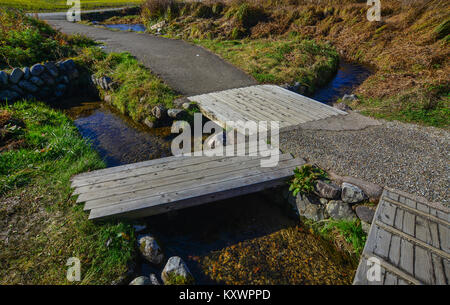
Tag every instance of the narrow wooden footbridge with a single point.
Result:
(158, 186)
(409, 243)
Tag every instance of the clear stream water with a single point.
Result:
(197, 231)
(127, 27)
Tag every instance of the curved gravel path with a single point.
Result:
(407, 157)
(189, 69)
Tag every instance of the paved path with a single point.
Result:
(63, 15)
(410, 238)
(189, 69)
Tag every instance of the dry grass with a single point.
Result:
(408, 50)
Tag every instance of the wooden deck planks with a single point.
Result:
(150, 188)
(262, 103)
(407, 238)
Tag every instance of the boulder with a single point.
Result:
(73, 74)
(45, 92)
(28, 86)
(107, 98)
(352, 194)
(16, 75)
(349, 98)
(340, 210)
(365, 227)
(328, 190)
(60, 90)
(3, 79)
(159, 111)
(150, 249)
(139, 281)
(26, 73)
(37, 69)
(175, 113)
(365, 213)
(176, 272)
(342, 107)
(9, 95)
(52, 69)
(178, 103)
(17, 89)
(154, 279)
(68, 65)
(149, 122)
(309, 206)
(49, 81)
(37, 81)
(188, 106)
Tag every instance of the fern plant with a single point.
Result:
(305, 179)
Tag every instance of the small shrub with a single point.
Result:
(157, 9)
(305, 178)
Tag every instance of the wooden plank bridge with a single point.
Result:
(262, 103)
(159, 186)
(410, 240)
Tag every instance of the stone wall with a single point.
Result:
(46, 82)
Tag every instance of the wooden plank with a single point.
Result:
(175, 182)
(137, 170)
(434, 235)
(407, 256)
(265, 110)
(173, 170)
(305, 114)
(423, 267)
(390, 279)
(409, 223)
(361, 273)
(422, 230)
(187, 198)
(439, 272)
(394, 251)
(310, 102)
(398, 223)
(187, 185)
(382, 243)
(387, 213)
(444, 237)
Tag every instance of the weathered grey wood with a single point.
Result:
(438, 268)
(382, 243)
(423, 267)
(196, 196)
(390, 279)
(179, 182)
(409, 223)
(422, 230)
(394, 250)
(444, 236)
(398, 223)
(407, 257)
(146, 178)
(262, 103)
(386, 214)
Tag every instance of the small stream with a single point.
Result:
(201, 231)
(127, 27)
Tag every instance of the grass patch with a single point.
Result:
(138, 90)
(59, 5)
(280, 61)
(49, 227)
(346, 235)
(25, 41)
